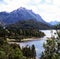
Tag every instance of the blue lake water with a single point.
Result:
(38, 43)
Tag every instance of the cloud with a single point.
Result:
(56, 2)
(48, 9)
(46, 1)
(2, 2)
(13, 4)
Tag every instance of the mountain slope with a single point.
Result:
(28, 24)
(22, 14)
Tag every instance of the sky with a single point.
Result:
(49, 10)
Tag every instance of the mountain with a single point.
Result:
(54, 22)
(27, 14)
(22, 14)
(28, 24)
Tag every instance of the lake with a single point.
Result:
(38, 43)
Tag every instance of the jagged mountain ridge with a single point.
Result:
(20, 14)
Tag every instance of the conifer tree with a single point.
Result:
(52, 48)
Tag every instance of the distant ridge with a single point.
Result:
(54, 22)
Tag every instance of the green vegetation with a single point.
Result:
(8, 51)
(24, 33)
(52, 48)
(18, 34)
(13, 51)
(29, 51)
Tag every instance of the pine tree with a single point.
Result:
(52, 48)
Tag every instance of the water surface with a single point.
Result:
(38, 43)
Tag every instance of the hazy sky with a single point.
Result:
(48, 9)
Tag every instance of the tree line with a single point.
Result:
(18, 34)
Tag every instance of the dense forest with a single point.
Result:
(18, 34)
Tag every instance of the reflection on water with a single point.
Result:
(38, 43)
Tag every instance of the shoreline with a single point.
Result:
(26, 40)
(30, 39)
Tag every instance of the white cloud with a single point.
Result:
(49, 1)
(56, 2)
(13, 4)
(48, 9)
